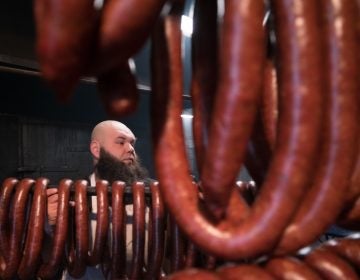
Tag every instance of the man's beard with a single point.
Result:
(111, 169)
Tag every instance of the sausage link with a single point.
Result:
(269, 106)
(329, 265)
(118, 263)
(5, 199)
(177, 258)
(156, 242)
(121, 20)
(339, 136)
(65, 33)
(138, 231)
(194, 274)
(118, 90)
(291, 164)
(20, 200)
(77, 258)
(350, 219)
(236, 102)
(346, 248)
(258, 153)
(204, 72)
(35, 232)
(244, 272)
(102, 223)
(191, 255)
(49, 269)
(166, 66)
(289, 268)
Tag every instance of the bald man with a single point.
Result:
(112, 148)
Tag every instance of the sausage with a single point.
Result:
(65, 34)
(5, 199)
(138, 230)
(237, 98)
(48, 269)
(354, 187)
(269, 103)
(177, 258)
(156, 242)
(346, 248)
(290, 268)
(121, 20)
(244, 272)
(118, 262)
(118, 90)
(191, 255)
(102, 223)
(35, 232)
(204, 72)
(194, 274)
(339, 136)
(9, 268)
(165, 59)
(77, 258)
(329, 265)
(258, 153)
(350, 218)
(291, 164)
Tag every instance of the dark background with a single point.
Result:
(38, 135)
(41, 137)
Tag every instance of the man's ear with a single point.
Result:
(95, 149)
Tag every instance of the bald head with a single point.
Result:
(102, 130)
(116, 138)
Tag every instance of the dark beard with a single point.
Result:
(111, 169)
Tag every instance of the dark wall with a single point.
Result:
(40, 135)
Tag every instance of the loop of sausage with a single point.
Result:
(237, 98)
(65, 33)
(194, 274)
(118, 263)
(118, 90)
(350, 218)
(156, 243)
(177, 259)
(346, 248)
(102, 224)
(120, 21)
(49, 269)
(245, 272)
(291, 163)
(9, 268)
(337, 157)
(291, 268)
(138, 231)
(191, 255)
(204, 72)
(5, 199)
(77, 258)
(269, 106)
(35, 232)
(329, 265)
(258, 153)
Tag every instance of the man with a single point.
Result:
(112, 148)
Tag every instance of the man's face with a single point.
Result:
(120, 144)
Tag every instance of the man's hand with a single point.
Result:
(52, 205)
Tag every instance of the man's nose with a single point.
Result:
(131, 148)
